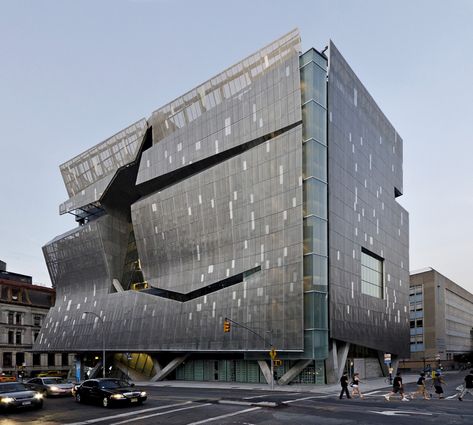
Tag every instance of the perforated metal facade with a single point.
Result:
(249, 197)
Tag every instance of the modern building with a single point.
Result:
(266, 195)
(441, 319)
(23, 308)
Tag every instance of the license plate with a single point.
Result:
(134, 400)
(26, 403)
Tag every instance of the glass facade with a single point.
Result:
(314, 136)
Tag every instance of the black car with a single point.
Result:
(108, 392)
(18, 395)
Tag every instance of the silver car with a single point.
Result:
(17, 395)
(51, 386)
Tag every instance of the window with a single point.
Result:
(18, 338)
(18, 317)
(11, 337)
(65, 359)
(371, 274)
(20, 359)
(10, 317)
(36, 359)
(36, 320)
(51, 359)
(35, 335)
(412, 324)
(419, 323)
(7, 360)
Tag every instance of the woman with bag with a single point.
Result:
(356, 386)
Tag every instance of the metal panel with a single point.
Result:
(103, 159)
(365, 167)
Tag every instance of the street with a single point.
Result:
(192, 406)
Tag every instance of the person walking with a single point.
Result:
(344, 384)
(397, 388)
(438, 383)
(468, 386)
(421, 390)
(356, 386)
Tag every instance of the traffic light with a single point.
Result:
(226, 326)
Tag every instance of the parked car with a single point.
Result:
(18, 395)
(51, 386)
(109, 392)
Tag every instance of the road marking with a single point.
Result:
(399, 412)
(224, 416)
(256, 396)
(139, 418)
(307, 398)
(372, 392)
(123, 415)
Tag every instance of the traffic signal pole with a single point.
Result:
(272, 352)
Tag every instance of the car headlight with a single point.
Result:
(7, 400)
(38, 396)
(143, 394)
(54, 388)
(118, 396)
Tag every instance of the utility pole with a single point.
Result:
(272, 352)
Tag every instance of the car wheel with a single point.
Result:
(78, 398)
(39, 405)
(105, 402)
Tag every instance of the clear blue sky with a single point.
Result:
(73, 73)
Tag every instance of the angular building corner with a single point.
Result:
(266, 195)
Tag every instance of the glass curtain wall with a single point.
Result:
(313, 69)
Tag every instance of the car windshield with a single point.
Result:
(16, 386)
(114, 383)
(54, 381)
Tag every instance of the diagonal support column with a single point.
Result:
(172, 365)
(294, 371)
(265, 369)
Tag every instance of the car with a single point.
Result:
(51, 386)
(18, 395)
(109, 392)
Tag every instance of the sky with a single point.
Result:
(73, 73)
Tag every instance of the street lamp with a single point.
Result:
(103, 338)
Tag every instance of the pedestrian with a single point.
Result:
(437, 383)
(356, 386)
(421, 390)
(468, 386)
(397, 388)
(344, 384)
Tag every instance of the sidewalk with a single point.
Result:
(366, 386)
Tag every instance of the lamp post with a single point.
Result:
(103, 338)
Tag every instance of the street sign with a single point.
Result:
(272, 354)
(387, 358)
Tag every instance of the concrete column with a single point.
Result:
(44, 360)
(342, 357)
(335, 364)
(384, 367)
(331, 364)
(263, 365)
(157, 366)
(294, 371)
(172, 365)
(29, 360)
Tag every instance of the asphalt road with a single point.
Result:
(191, 406)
